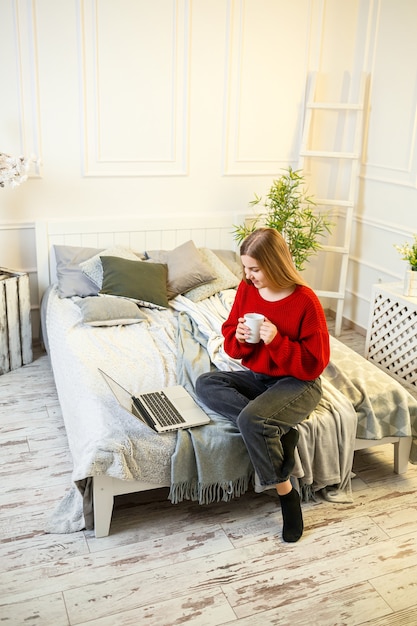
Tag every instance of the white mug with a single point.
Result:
(254, 321)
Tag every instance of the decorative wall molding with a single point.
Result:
(17, 225)
(26, 38)
(384, 225)
(256, 144)
(379, 174)
(158, 92)
(388, 81)
(375, 267)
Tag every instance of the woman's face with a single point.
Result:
(253, 272)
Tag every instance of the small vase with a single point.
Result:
(410, 283)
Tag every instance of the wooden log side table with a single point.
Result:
(391, 340)
(15, 320)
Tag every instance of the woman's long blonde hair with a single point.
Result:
(269, 248)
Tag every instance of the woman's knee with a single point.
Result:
(202, 382)
(249, 422)
(206, 382)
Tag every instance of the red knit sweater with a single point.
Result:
(300, 348)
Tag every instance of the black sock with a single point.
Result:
(288, 442)
(292, 516)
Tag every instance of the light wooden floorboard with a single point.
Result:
(167, 564)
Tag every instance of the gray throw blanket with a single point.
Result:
(211, 463)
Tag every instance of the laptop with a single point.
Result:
(167, 409)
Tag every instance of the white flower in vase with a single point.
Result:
(409, 253)
(13, 170)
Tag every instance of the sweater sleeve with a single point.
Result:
(306, 356)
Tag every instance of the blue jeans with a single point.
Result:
(264, 408)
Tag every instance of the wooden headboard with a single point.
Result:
(139, 233)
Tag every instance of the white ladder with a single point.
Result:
(347, 204)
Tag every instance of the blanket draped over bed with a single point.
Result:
(208, 463)
(211, 462)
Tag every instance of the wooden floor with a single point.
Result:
(186, 564)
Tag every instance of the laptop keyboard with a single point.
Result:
(162, 408)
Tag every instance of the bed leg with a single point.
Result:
(103, 505)
(402, 449)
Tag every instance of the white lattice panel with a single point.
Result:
(391, 340)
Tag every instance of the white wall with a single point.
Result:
(167, 106)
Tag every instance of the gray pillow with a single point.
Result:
(225, 279)
(93, 267)
(232, 260)
(109, 311)
(186, 268)
(71, 279)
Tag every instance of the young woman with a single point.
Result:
(281, 385)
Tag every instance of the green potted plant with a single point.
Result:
(289, 210)
(409, 253)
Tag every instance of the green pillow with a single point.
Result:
(93, 267)
(145, 282)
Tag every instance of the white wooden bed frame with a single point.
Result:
(149, 233)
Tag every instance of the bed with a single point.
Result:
(163, 328)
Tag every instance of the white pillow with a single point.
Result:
(94, 269)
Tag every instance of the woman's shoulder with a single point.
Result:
(305, 290)
(245, 287)
(307, 293)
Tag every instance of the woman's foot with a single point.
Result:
(289, 442)
(292, 516)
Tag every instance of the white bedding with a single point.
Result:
(101, 435)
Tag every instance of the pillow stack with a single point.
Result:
(148, 279)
